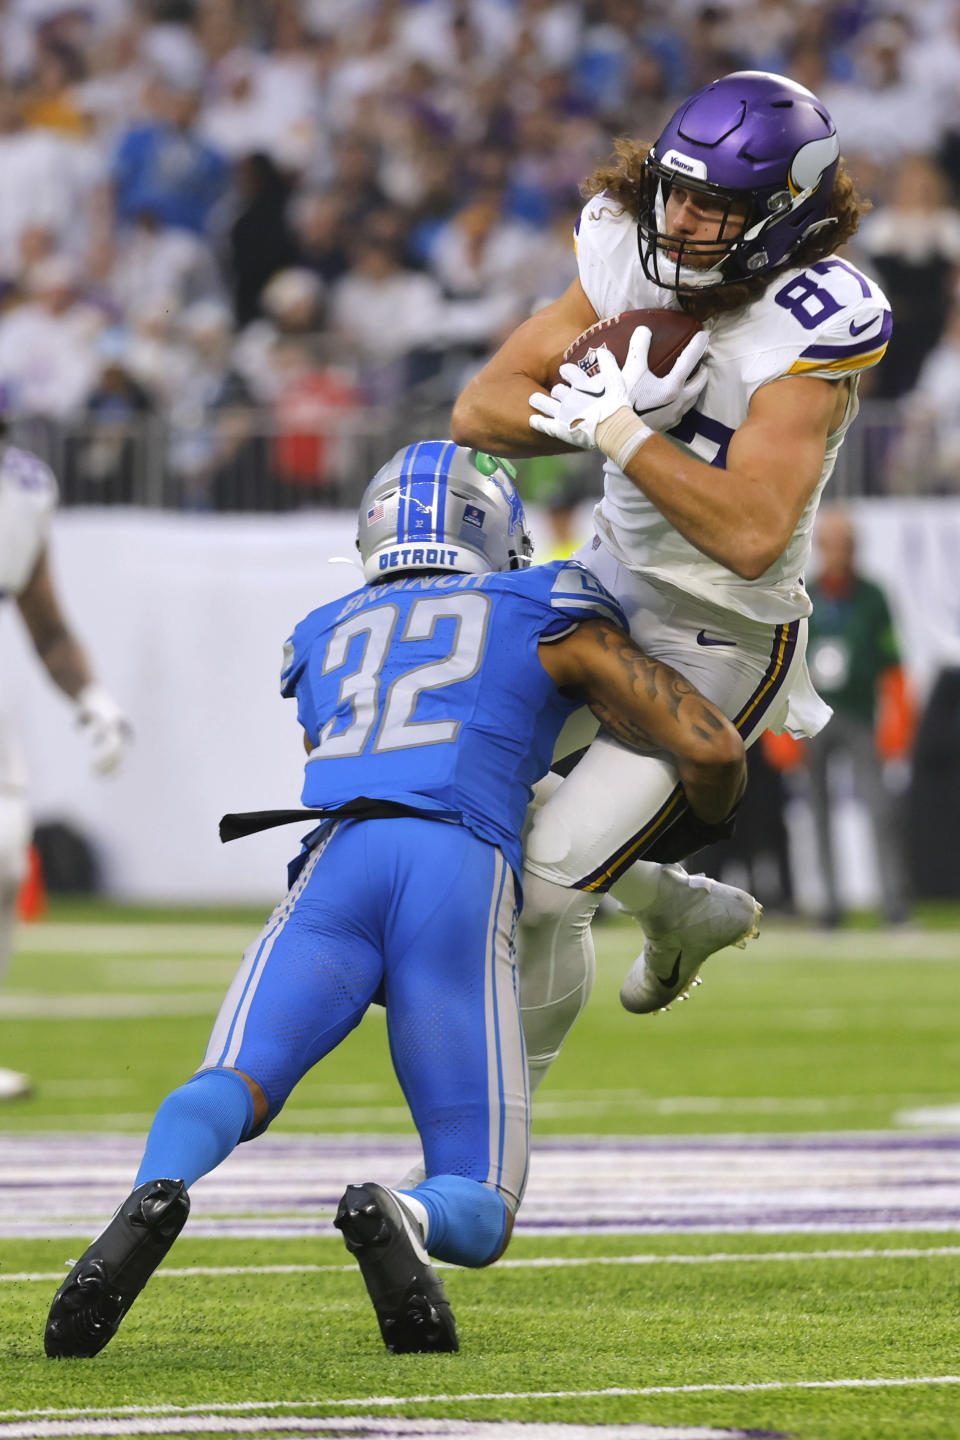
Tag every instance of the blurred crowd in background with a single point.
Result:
(248, 246)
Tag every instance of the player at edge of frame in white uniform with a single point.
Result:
(28, 497)
(703, 532)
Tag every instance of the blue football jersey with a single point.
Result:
(428, 690)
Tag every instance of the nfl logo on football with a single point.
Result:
(588, 363)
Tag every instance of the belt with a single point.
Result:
(249, 822)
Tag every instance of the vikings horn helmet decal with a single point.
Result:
(753, 140)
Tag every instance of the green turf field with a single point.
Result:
(659, 1282)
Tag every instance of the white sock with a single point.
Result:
(637, 889)
(416, 1209)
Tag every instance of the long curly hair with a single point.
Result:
(619, 177)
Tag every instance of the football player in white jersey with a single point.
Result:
(733, 215)
(28, 496)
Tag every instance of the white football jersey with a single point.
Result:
(826, 320)
(28, 496)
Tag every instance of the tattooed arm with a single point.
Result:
(650, 706)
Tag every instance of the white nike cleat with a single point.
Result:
(691, 918)
(13, 1085)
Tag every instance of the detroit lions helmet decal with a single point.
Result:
(440, 506)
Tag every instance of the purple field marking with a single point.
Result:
(288, 1185)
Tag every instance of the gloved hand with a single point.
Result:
(578, 403)
(662, 401)
(106, 726)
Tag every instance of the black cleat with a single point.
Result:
(407, 1293)
(87, 1309)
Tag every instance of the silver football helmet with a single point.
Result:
(440, 506)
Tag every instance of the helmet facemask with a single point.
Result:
(666, 257)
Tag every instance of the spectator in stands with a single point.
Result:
(329, 114)
(314, 442)
(261, 239)
(48, 345)
(883, 112)
(710, 48)
(308, 391)
(162, 167)
(649, 101)
(455, 35)
(218, 453)
(553, 27)
(480, 253)
(149, 261)
(928, 453)
(355, 177)
(318, 219)
(367, 63)
(854, 661)
(48, 180)
(52, 102)
(292, 316)
(913, 246)
(261, 104)
(386, 312)
(112, 95)
(106, 459)
(235, 121)
(155, 354)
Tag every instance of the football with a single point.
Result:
(671, 331)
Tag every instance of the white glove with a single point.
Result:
(662, 401)
(106, 726)
(578, 403)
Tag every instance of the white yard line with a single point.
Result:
(173, 938)
(541, 1262)
(57, 937)
(93, 1005)
(467, 1397)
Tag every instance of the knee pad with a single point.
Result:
(546, 901)
(593, 820)
(550, 844)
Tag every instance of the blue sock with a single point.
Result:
(196, 1127)
(467, 1220)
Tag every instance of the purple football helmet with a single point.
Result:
(753, 139)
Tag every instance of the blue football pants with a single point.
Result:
(421, 915)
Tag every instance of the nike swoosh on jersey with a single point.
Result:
(856, 329)
(671, 979)
(704, 639)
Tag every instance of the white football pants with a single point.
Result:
(587, 833)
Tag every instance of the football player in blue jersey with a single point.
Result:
(430, 701)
